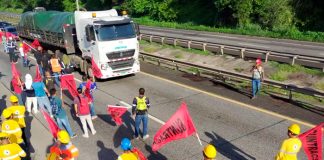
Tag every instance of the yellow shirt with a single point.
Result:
(289, 149)
(12, 128)
(11, 152)
(19, 115)
(128, 156)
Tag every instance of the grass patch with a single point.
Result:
(178, 56)
(239, 69)
(193, 70)
(319, 85)
(293, 33)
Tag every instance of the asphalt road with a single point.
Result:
(270, 44)
(238, 129)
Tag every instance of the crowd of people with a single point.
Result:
(40, 93)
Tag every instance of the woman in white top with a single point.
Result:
(257, 77)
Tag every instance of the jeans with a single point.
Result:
(84, 120)
(44, 102)
(24, 61)
(20, 100)
(138, 120)
(256, 86)
(57, 78)
(63, 122)
(92, 110)
(41, 69)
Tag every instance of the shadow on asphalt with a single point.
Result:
(3, 103)
(105, 153)
(226, 148)
(28, 121)
(154, 155)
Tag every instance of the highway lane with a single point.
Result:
(238, 132)
(271, 44)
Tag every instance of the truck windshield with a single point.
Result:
(116, 31)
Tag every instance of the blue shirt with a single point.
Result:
(93, 87)
(39, 89)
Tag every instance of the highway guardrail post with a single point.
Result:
(204, 47)
(267, 56)
(151, 37)
(222, 49)
(159, 62)
(175, 42)
(189, 42)
(293, 60)
(140, 37)
(242, 53)
(162, 40)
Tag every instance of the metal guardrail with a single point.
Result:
(179, 65)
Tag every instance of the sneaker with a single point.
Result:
(51, 116)
(94, 117)
(94, 132)
(73, 136)
(137, 138)
(253, 97)
(85, 136)
(146, 137)
(35, 112)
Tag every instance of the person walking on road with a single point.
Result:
(49, 81)
(23, 56)
(41, 93)
(4, 42)
(141, 104)
(126, 146)
(291, 146)
(30, 94)
(8, 150)
(82, 110)
(17, 88)
(11, 46)
(90, 86)
(63, 149)
(209, 152)
(257, 77)
(38, 56)
(56, 67)
(59, 113)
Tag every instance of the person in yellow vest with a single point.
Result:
(141, 104)
(126, 146)
(11, 127)
(291, 146)
(10, 151)
(63, 149)
(56, 68)
(18, 114)
(209, 152)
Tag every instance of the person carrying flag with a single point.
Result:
(90, 86)
(30, 94)
(126, 146)
(141, 104)
(291, 146)
(209, 152)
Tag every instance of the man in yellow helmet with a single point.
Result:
(10, 150)
(126, 146)
(209, 152)
(11, 127)
(64, 149)
(291, 146)
(141, 104)
(18, 115)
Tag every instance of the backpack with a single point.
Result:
(83, 108)
(55, 108)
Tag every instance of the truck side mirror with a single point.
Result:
(137, 30)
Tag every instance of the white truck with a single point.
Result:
(109, 39)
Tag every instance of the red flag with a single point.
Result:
(38, 76)
(14, 71)
(312, 142)
(67, 82)
(25, 47)
(35, 43)
(139, 153)
(179, 126)
(51, 124)
(116, 112)
(95, 69)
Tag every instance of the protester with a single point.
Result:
(11, 47)
(49, 81)
(60, 114)
(291, 146)
(63, 149)
(17, 88)
(90, 86)
(38, 56)
(42, 99)
(82, 110)
(141, 104)
(8, 150)
(24, 59)
(56, 67)
(30, 94)
(126, 146)
(209, 152)
(257, 77)
(45, 61)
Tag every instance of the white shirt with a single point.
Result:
(21, 51)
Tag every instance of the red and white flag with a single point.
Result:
(179, 126)
(25, 47)
(67, 82)
(116, 112)
(51, 124)
(312, 142)
(38, 76)
(95, 69)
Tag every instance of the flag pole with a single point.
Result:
(198, 139)
(29, 46)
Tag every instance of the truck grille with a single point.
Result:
(121, 64)
(120, 54)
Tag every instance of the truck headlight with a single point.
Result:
(104, 66)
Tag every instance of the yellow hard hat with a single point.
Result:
(6, 113)
(3, 135)
(294, 128)
(63, 137)
(210, 151)
(13, 98)
(20, 45)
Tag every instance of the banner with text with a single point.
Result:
(179, 126)
(312, 142)
(116, 112)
